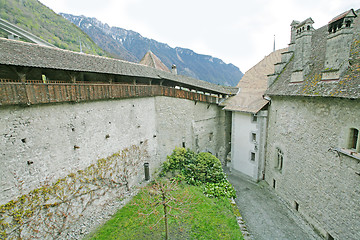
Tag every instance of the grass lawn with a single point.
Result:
(203, 218)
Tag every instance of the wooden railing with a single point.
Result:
(17, 93)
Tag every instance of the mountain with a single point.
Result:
(36, 18)
(131, 46)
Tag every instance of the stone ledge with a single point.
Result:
(349, 153)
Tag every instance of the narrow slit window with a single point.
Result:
(354, 136)
(296, 206)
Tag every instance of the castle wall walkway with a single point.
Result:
(14, 93)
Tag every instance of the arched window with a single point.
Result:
(279, 159)
(308, 27)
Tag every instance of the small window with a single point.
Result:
(252, 156)
(296, 206)
(254, 118)
(308, 27)
(211, 136)
(253, 137)
(279, 159)
(183, 145)
(354, 137)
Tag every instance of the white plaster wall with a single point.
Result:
(242, 144)
(324, 184)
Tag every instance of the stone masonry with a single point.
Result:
(322, 184)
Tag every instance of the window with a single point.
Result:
(211, 136)
(254, 118)
(252, 156)
(253, 137)
(279, 159)
(296, 206)
(348, 23)
(354, 137)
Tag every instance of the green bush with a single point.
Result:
(220, 189)
(198, 169)
(180, 159)
(208, 168)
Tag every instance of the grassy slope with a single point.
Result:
(38, 19)
(210, 218)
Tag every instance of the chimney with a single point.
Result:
(293, 30)
(173, 69)
(302, 48)
(338, 45)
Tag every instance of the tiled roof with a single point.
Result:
(253, 85)
(350, 12)
(19, 53)
(151, 60)
(347, 86)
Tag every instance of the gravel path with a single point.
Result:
(265, 215)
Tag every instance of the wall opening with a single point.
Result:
(254, 118)
(296, 206)
(211, 136)
(253, 137)
(329, 237)
(274, 183)
(252, 156)
(354, 136)
(183, 145)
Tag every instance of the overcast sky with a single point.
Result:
(236, 31)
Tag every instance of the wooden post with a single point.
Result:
(21, 72)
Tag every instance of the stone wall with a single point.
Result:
(322, 184)
(194, 125)
(47, 142)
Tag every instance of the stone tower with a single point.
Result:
(302, 48)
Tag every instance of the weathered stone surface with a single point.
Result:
(323, 183)
(44, 143)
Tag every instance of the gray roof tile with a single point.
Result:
(348, 85)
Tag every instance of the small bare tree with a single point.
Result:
(162, 193)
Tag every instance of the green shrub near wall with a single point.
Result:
(198, 169)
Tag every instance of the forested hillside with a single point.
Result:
(33, 16)
(97, 38)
